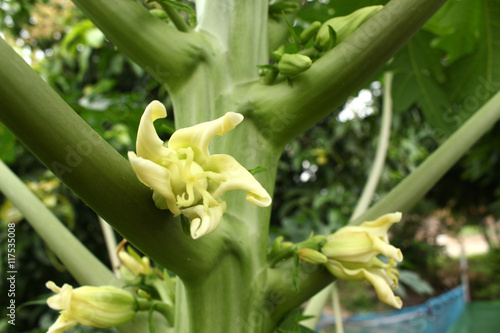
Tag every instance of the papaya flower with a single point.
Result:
(100, 307)
(184, 177)
(353, 251)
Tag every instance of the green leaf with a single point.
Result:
(257, 170)
(457, 25)
(416, 81)
(475, 78)
(291, 30)
(451, 74)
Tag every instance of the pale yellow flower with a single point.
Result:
(352, 255)
(185, 178)
(100, 307)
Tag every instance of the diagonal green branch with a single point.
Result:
(80, 262)
(164, 52)
(88, 165)
(340, 72)
(419, 182)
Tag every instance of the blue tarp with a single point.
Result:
(480, 317)
(436, 315)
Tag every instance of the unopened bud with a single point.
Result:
(309, 31)
(293, 64)
(276, 55)
(311, 256)
(343, 26)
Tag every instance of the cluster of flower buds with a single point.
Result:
(314, 41)
(352, 253)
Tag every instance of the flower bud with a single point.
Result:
(283, 6)
(276, 55)
(343, 26)
(311, 256)
(99, 307)
(309, 31)
(293, 64)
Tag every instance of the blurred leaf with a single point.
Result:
(416, 81)
(414, 282)
(457, 25)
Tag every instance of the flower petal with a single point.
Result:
(149, 145)
(384, 291)
(380, 226)
(157, 178)
(375, 276)
(63, 322)
(237, 178)
(358, 245)
(198, 137)
(204, 221)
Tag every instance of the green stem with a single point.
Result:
(383, 144)
(79, 261)
(340, 72)
(110, 240)
(167, 54)
(314, 243)
(420, 181)
(339, 327)
(166, 310)
(177, 20)
(89, 166)
(240, 28)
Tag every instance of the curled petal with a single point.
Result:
(237, 178)
(198, 137)
(380, 226)
(376, 276)
(204, 220)
(63, 297)
(383, 289)
(157, 178)
(63, 322)
(149, 145)
(52, 286)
